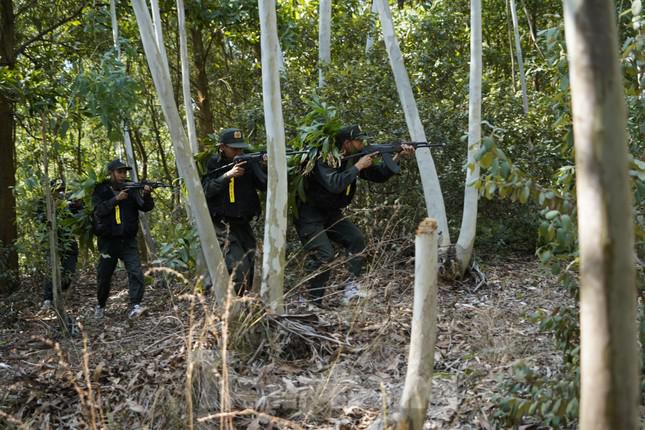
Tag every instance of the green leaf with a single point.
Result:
(552, 214)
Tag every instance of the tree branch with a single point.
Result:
(21, 49)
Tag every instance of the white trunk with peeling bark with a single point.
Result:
(275, 226)
(429, 178)
(609, 360)
(185, 162)
(418, 380)
(144, 220)
(466, 240)
(520, 60)
(324, 40)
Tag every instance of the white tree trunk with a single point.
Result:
(418, 380)
(324, 40)
(202, 269)
(185, 162)
(429, 178)
(185, 78)
(609, 357)
(275, 226)
(520, 61)
(156, 23)
(369, 41)
(144, 220)
(466, 240)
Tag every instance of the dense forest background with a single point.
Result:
(62, 83)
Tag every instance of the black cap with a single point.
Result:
(117, 164)
(233, 138)
(57, 185)
(350, 132)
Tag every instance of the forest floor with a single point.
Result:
(336, 367)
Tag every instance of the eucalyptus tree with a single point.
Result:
(324, 40)
(185, 162)
(429, 178)
(275, 227)
(608, 334)
(466, 240)
(520, 59)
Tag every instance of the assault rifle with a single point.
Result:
(388, 149)
(129, 185)
(250, 157)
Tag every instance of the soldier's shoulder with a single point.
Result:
(213, 162)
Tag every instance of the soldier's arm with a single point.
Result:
(214, 185)
(376, 173)
(102, 207)
(148, 203)
(333, 180)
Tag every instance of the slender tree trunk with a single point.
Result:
(466, 241)
(202, 269)
(608, 335)
(429, 178)
(144, 220)
(275, 225)
(185, 162)
(418, 379)
(324, 40)
(59, 300)
(202, 100)
(369, 41)
(509, 22)
(520, 61)
(8, 229)
(185, 78)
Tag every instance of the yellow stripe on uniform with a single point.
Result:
(231, 190)
(349, 187)
(117, 214)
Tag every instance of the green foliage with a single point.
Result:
(107, 92)
(552, 402)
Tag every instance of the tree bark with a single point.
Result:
(275, 225)
(520, 60)
(324, 40)
(185, 162)
(466, 240)
(429, 178)
(8, 230)
(418, 379)
(609, 357)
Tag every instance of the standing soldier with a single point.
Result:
(233, 202)
(116, 223)
(320, 219)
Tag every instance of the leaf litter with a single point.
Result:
(333, 367)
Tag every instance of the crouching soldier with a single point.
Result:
(320, 219)
(116, 223)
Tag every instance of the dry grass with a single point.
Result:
(191, 364)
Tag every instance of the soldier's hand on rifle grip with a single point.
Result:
(147, 189)
(406, 151)
(365, 161)
(236, 171)
(123, 194)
